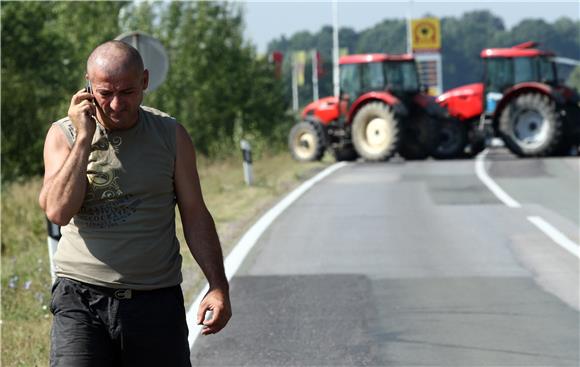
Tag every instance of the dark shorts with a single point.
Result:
(94, 326)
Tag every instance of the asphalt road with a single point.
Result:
(412, 263)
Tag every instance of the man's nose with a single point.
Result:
(116, 103)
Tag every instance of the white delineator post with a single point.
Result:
(52, 241)
(247, 163)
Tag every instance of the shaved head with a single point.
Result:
(115, 58)
(118, 81)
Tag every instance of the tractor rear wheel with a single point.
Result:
(420, 137)
(530, 125)
(570, 143)
(375, 132)
(452, 139)
(306, 141)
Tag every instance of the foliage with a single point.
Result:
(42, 66)
(463, 38)
(217, 86)
(383, 37)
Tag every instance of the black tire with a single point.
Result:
(452, 139)
(306, 141)
(477, 142)
(420, 137)
(345, 153)
(375, 132)
(571, 132)
(530, 126)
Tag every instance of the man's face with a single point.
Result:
(118, 96)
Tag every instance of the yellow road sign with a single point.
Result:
(426, 34)
(300, 61)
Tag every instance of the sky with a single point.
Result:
(267, 20)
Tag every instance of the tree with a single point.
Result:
(216, 86)
(384, 37)
(42, 66)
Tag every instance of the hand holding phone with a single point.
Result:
(82, 111)
(89, 89)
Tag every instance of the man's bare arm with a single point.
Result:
(65, 181)
(201, 236)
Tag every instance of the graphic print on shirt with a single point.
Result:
(105, 205)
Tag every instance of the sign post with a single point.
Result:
(153, 53)
(426, 46)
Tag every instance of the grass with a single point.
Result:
(25, 276)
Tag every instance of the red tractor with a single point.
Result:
(520, 100)
(381, 110)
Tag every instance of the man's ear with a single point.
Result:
(145, 79)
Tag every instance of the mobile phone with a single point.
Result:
(89, 87)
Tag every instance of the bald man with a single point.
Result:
(114, 171)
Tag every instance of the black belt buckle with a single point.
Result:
(122, 294)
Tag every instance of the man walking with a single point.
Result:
(114, 171)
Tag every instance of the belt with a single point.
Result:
(123, 293)
(117, 293)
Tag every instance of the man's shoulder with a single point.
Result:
(163, 124)
(65, 124)
(65, 121)
(157, 114)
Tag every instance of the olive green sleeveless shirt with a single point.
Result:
(124, 234)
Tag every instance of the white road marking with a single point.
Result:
(247, 242)
(491, 185)
(556, 235)
(544, 226)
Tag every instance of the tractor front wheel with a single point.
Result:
(306, 141)
(375, 132)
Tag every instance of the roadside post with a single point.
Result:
(247, 161)
(52, 240)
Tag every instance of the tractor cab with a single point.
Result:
(361, 74)
(507, 67)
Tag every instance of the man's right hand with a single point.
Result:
(81, 113)
(65, 166)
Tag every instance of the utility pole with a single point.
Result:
(294, 85)
(409, 31)
(314, 75)
(335, 49)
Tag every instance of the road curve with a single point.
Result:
(414, 263)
